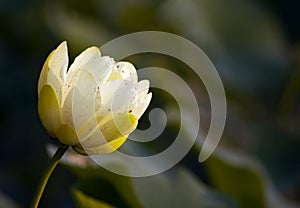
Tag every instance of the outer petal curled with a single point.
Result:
(49, 109)
(101, 149)
(111, 132)
(66, 135)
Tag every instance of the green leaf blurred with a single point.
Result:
(178, 188)
(239, 181)
(175, 188)
(106, 186)
(244, 179)
(83, 201)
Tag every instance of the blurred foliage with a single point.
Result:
(244, 179)
(83, 200)
(242, 183)
(175, 188)
(255, 48)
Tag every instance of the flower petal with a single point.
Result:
(67, 107)
(49, 109)
(116, 96)
(44, 73)
(81, 60)
(114, 75)
(79, 102)
(83, 88)
(54, 69)
(85, 57)
(91, 61)
(141, 106)
(127, 71)
(59, 61)
(110, 127)
(142, 88)
(101, 149)
(66, 135)
(99, 67)
(83, 99)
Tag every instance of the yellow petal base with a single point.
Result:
(49, 110)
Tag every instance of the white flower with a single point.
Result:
(95, 104)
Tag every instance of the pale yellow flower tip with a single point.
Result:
(95, 104)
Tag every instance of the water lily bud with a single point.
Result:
(94, 104)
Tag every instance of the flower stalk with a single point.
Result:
(53, 162)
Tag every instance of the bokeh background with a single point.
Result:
(255, 48)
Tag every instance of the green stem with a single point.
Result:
(53, 162)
